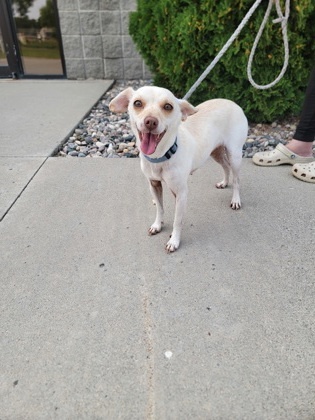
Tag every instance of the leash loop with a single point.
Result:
(283, 19)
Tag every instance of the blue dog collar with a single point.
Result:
(167, 155)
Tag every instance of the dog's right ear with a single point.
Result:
(121, 102)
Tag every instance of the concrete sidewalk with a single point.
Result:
(36, 116)
(98, 322)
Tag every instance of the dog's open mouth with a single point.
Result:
(149, 141)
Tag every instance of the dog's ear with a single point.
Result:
(186, 108)
(121, 102)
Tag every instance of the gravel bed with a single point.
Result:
(105, 135)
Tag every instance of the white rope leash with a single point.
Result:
(281, 18)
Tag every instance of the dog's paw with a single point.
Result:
(235, 205)
(154, 229)
(221, 184)
(171, 245)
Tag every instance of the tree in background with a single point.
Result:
(22, 6)
(179, 38)
(47, 15)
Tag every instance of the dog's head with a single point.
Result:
(155, 114)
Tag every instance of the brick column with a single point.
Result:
(96, 41)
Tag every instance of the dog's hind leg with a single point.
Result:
(220, 155)
(156, 189)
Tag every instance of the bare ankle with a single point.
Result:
(301, 148)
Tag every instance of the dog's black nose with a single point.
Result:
(151, 123)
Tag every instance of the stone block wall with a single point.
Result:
(96, 41)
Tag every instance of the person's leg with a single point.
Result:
(302, 143)
(301, 146)
(306, 128)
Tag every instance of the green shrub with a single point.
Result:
(179, 38)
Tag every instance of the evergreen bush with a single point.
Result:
(179, 38)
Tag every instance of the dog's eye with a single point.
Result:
(168, 107)
(137, 104)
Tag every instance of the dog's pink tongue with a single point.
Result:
(148, 143)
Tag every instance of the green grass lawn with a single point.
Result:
(44, 49)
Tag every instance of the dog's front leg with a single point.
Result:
(156, 189)
(180, 208)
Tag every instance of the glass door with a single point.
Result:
(32, 32)
(4, 66)
(8, 59)
(37, 33)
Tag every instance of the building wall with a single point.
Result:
(96, 41)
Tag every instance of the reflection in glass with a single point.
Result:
(3, 56)
(35, 22)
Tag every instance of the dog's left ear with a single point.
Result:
(121, 102)
(186, 108)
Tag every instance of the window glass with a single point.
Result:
(3, 57)
(35, 22)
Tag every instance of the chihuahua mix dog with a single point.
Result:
(176, 138)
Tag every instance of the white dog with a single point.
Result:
(176, 138)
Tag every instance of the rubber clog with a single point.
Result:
(281, 155)
(304, 172)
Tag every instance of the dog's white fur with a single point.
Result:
(216, 128)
